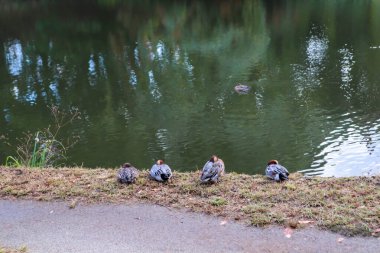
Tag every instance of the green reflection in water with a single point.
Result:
(155, 79)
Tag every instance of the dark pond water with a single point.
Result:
(155, 79)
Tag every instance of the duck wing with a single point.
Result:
(276, 172)
(160, 172)
(155, 172)
(166, 172)
(219, 166)
(279, 169)
(283, 169)
(127, 175)
(212, 171)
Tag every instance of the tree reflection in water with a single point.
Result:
(154, 79)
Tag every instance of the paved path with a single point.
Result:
(52, 227)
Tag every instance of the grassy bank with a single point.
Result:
(347, 205)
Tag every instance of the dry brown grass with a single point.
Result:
(22, 249)
(347, 205)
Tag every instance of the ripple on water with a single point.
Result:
(352, 148)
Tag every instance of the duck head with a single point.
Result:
(160, 162)
(127, 165)
(272, 162)
(213, 158)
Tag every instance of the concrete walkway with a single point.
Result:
(52, 227)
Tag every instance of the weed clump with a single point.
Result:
(45, 147)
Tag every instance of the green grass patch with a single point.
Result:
(218, 201)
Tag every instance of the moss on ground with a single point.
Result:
(350, 206)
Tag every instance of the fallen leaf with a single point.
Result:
(288, 232)
(375, 232)
(305, 221)
(73, 204)
(340, 239)
(223, 222)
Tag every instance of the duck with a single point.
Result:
(127, 174)
(160, 171)
(213, 170)
(242, 89)
(276, 171)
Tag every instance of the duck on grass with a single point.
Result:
(346, 205)
(212, 171)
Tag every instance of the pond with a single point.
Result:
(155, 80)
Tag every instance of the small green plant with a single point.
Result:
(44, 148)
(218, 201)
(290, 187)
(23, 249)
(12, 162)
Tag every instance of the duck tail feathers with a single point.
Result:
(283, 176)
(165, 177)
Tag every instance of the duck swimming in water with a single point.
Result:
(161, 171)
(242, 89)
(213, 170)
(276, 171)
(127, 174)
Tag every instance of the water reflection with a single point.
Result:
(39, 69)
(7, 115)
(154, 89)
(54, 90)
(309, 76)
(155, 80)
(132, 78)
(14, 57)
(162, 139)
(15, 92)
(346, 64)
(92, 75)
(137, 59)
(352, 148)
(316, 48)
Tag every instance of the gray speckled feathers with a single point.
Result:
(127, 174)
(212, 170)
(276, 171)
(160, 171)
